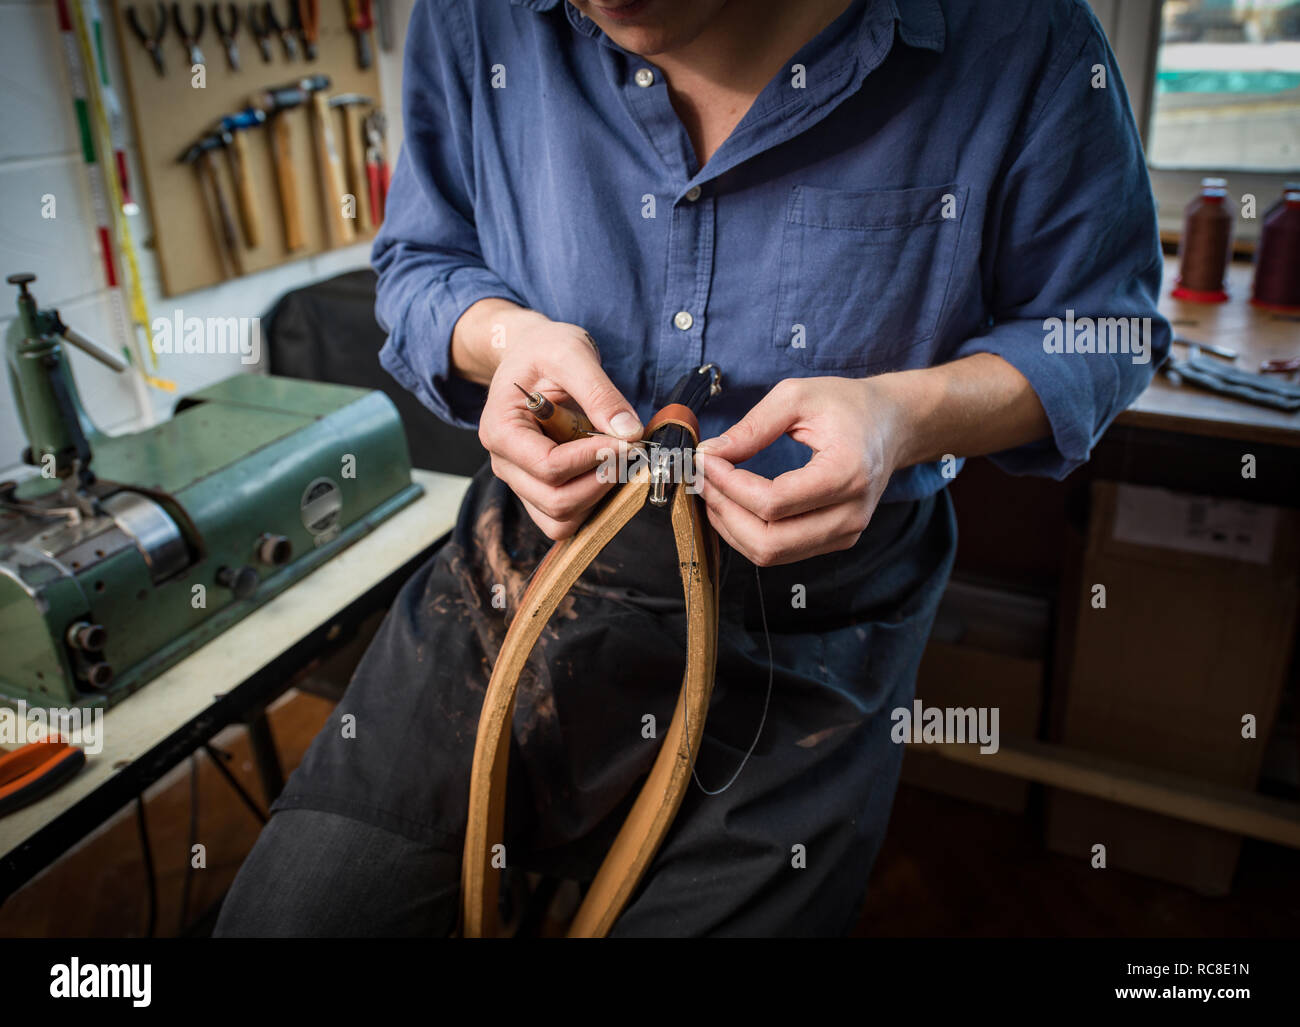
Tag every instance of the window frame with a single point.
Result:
(1133, 29)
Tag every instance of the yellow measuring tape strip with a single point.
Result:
(121, 230)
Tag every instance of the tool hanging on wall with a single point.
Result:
(352, 105)
(151, 37)
(190, 40)
(330, 164)
(232, 128)
(285, 30)
(305, 19)
(360, 21)
(273, 103)
(226, 31)
(376, 164)
(259, 23)
(199, 156)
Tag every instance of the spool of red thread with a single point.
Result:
(1206, 246)
(1277, 259)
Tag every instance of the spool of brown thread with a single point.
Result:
(1277, 259)
(1207, 245)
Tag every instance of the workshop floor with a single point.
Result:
(951, 868)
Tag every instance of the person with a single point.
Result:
(872, 216)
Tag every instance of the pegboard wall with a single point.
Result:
(178, 106)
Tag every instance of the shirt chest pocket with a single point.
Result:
(864, 275)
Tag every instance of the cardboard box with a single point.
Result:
(1196, 633)
(987, 650)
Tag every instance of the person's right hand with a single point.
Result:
(557, 484)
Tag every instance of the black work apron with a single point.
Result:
(786, 849)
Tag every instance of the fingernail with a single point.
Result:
(625, 424)
(715, 443)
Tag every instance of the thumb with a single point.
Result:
(598, 397)
(766, 422)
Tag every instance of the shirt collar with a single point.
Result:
(920, 22)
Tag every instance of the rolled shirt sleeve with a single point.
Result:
(1077, 239)
(427, 253)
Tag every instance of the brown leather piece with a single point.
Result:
(674, 413)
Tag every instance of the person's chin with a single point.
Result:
(638, 26)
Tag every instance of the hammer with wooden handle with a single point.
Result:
(330, 165)
(274, 103)
(199, 157)
(354, 153)
(231, 127)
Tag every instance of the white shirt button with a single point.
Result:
(683, 320)
(644, 77)
(693, 193)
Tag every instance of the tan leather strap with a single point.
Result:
(674, 413)
(656, 806)
(652, 814)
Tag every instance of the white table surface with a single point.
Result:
(144, 719)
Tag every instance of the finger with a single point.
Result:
(551, 528)
(515, 435)
(766, 422)
(586, 382)
(826, 479)
(828, 530)
(565, 502)
(832, 544)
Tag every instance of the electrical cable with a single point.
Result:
(150, 876)
(215, 756)
(762, 608)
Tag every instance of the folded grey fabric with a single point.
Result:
(1215, 375)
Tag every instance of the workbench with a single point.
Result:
(1257, 335)
(1175, 437)
(231, 679)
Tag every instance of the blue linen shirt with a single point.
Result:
(925, 180)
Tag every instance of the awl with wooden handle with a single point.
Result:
(560, 423)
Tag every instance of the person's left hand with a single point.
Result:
(852, 427)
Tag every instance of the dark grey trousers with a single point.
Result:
(366, 839)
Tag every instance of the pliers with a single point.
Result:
(304, 17)
(226, 33)
(285, 32)
(376, 163)
(259, 21)
(151, 40)
(190, 40)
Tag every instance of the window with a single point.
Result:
(1227, 86)
(1215, 89)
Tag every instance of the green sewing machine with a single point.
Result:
(127, 552)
